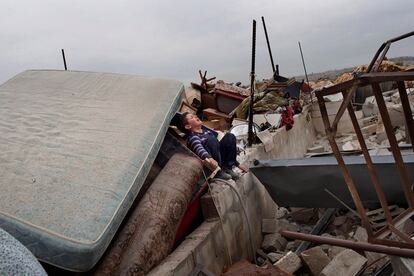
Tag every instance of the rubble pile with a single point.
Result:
(294, 257)
(371, 126)
(386, 66)
(224, 106)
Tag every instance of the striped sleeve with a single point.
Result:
(194, 143)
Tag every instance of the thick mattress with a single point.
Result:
(75, 149)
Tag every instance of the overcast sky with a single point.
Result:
(175, 39)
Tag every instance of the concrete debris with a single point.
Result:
(381, 134)
(350, 146)
(369, 129)
(303, 215)
(347, 262)
(273, 242)
(374, 134)
(396, 114)
(281, 212)
(338, 221)
(291, 246)
(370, 107)
(365, 121)
(399, 136)
(270, 226)
(385, 143)
(261, 256)
(274, 257)
(289, 263)
(324, 259)
(315, 259)
(379, 151)
(334, 250)
(374, 259)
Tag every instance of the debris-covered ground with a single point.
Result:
(301, 258)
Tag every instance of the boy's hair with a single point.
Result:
(184, 122)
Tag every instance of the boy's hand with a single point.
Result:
(210, 163)
(243, 168)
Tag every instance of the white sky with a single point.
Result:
(174, 39)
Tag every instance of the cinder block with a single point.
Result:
(289, 263)
(315, 259)
(348, 262)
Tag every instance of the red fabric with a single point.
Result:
(287, 118)
(192, 212)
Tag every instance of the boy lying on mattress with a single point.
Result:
(203, 142)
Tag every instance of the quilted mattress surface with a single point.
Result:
(75, 149)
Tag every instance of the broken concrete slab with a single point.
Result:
(370, 107)
(381, 134)
(373, 257)
(347, 262)
(315, 259)
(334, 250)
(369, 129)
(289, 263)
(379, 151)
(399, 136)
(344, 125)
(396, 114)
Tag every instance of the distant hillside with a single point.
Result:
(333, 74)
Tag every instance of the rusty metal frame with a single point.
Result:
(377, 240)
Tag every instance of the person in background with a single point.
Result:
(203, 142)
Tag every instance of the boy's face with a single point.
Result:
(192, 122)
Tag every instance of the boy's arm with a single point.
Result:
(194, 143)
